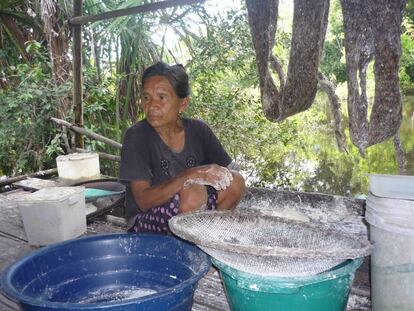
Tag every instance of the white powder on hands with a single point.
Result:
(217, 177)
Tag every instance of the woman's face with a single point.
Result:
(160, 103)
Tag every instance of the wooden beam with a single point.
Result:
(81, 20)
(77, 72)
(90, 134)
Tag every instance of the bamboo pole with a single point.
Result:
(81, 20)
(77, 72)
(10, 180)
(88, 133)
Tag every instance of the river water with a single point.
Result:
(327, 170)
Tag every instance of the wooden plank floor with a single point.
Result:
(209, 295)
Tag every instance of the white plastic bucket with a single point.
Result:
(392, 260)
(78, 166)
(393, 207)
(394, 215)
(392, 186)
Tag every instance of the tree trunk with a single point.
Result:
(15, 35)
(57, 40)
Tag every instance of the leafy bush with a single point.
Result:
(26, 134)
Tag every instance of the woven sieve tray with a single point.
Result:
(268, 245)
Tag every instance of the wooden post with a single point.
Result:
(77, 72)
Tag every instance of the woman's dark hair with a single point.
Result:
(175, 74)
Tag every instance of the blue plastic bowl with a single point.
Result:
(108, 272)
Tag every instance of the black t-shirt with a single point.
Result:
(145, 156)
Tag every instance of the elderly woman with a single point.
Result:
(173, 164)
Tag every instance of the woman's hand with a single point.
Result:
(214, 175)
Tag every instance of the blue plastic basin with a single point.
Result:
(108, 272)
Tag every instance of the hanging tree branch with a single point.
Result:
(297, 92)
(328, 87)
(400, 154)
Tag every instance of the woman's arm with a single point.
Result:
(148, 197)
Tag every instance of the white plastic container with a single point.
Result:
(404, 208)
(392, 186)
(78, 166)
(53, 214)
(392, 260)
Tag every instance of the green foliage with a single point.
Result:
(99, 115)
(407, 61)
(407, 47)
(26, 133)
(409, 70)
(332, 63)
(409, 11)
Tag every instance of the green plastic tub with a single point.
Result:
(327, 291)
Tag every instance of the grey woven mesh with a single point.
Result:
(268, 245)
